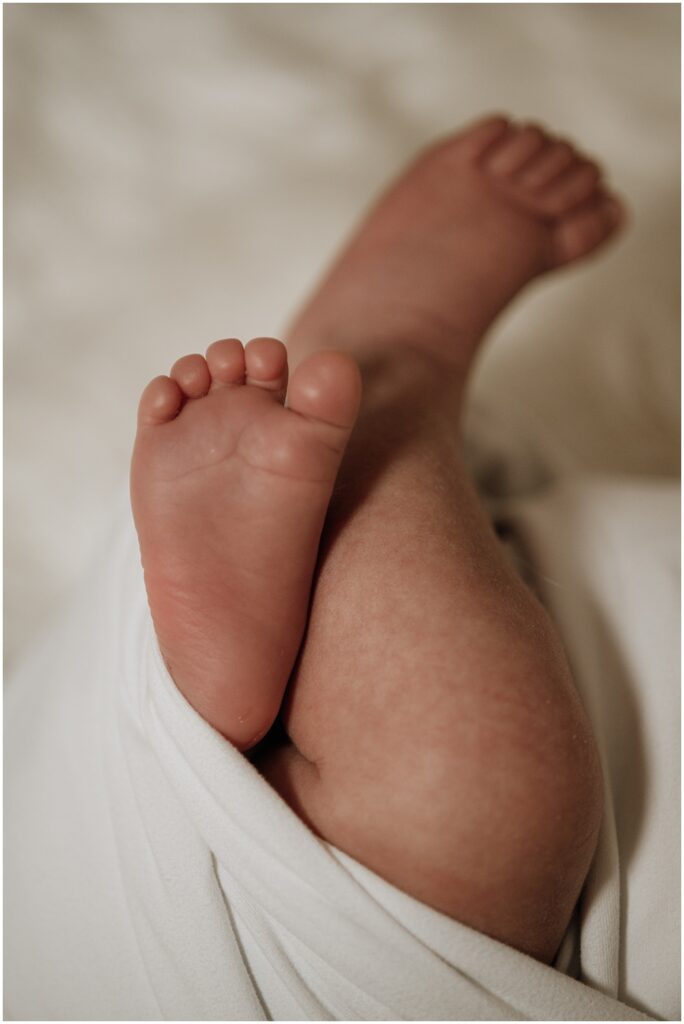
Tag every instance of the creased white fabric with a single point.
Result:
(153, 874)
(604, 554)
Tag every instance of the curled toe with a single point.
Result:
(266, 364)
(516, 151)
(160, 402)
(573, 187)
(191, 373)
(547, 165)
(588, 228)
(476, 140)
(226, 362)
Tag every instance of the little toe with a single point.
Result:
(516, 150)
(160, 402)
(326, 387)
(547, 165)
(477, 139)
(266, 365)
(226, 362)
(576, 185)
(191, 373)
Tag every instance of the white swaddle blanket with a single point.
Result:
(153, 874)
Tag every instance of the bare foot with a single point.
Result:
(229, 491)
(475, 218)
(459, 763)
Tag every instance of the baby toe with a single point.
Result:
(226, 362)
(266, 365)
(160, 402)
(477, 139)
(191, 373)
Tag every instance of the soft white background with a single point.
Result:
(178, 173)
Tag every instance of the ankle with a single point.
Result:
(403, 371)
(408, 394)
(420, 342)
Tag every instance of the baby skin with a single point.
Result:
(324, 560)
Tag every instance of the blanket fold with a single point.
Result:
(154, 874)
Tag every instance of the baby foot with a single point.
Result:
(548, 178)
(229, 489)
(472, 221)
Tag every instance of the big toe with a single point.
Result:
(326, 387)
(587, 228)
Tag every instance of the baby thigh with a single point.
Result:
(436, 733)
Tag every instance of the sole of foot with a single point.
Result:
(231, 477)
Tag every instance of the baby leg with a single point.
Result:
(436, 732)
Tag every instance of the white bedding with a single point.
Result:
(153, 874)
(176, 174)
